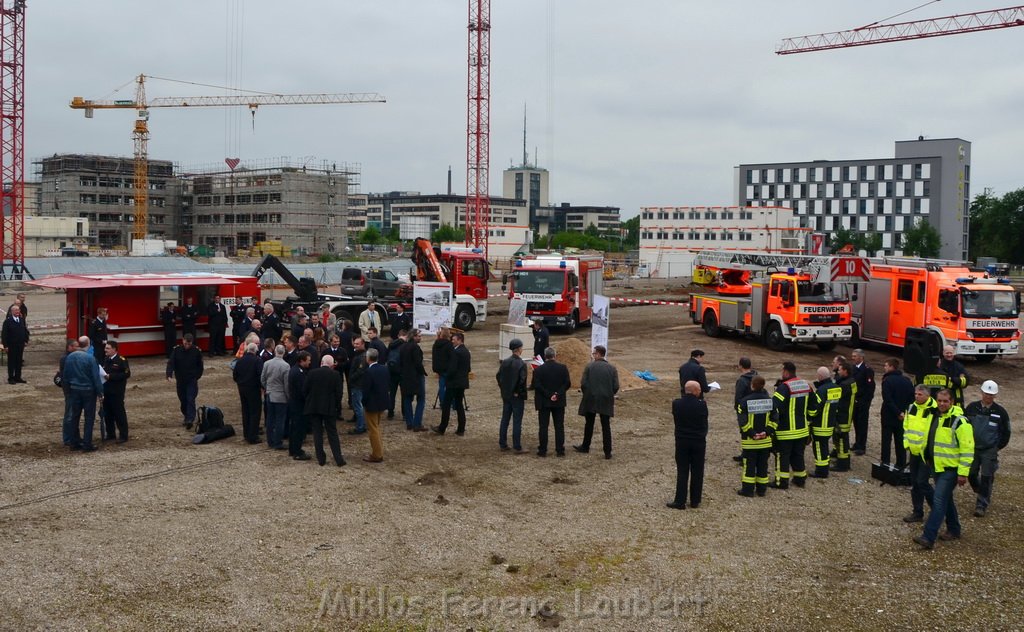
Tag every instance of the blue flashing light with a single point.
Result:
(965, 280)
(561, 264)
(1003, 280)
(790, 270)
(519, 263)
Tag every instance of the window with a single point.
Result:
(694, 215)
(694, 236)
(710, 236)
(710, 215)
(727, 236)
(746, 214)
(727, 215)
(920, 291)
(905, 290)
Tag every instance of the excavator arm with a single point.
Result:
(428, 267)
(305, 289)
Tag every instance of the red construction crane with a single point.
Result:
(899, 31)
(478, 125)
(12, 138)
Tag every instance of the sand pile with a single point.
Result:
(575, 354)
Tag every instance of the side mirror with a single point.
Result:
(504, 282)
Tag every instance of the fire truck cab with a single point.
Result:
(975, 314)
(789, 299)
(559, 289)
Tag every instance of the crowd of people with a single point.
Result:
(946, 441)
(293, 374)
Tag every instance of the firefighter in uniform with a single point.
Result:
(915, 432)
(847, 385)
(956, 374)
(756, 426)
(118, 372)
(793, 402)
(949, 453)
(821, 418)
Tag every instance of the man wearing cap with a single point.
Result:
(540, 337)
(692, 370)
(991, 425)
(511, 377)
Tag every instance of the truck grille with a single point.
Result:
(538, 306)
(824, 318)
(992, 333)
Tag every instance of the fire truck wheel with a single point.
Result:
(710, 323)
(464, 318)
(827, 346)
(774, 338)
(574, 321)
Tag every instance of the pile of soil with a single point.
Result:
(575, 354)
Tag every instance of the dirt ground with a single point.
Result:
(451, 533)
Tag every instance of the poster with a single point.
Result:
(517, 312)
(432, 306)
(599, 321)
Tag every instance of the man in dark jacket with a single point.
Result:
(82, 374)
(413, 380)
(865, 377)
(754, 417)
(189, 314)
(376, 391)
(323, 402)
(991, 425)
(599, 385)
(247, 374)
(271, 323)
(393, 361)
(217, 321)
(551, 380)
(511, 377)
(401, 321)
(540, 337)
(185, 367)
(356, 370)
(743, 389)
(14, 337)
(98, 332)
(897, 395)
(457, 381)
(440, 357)
(690, 414)
(692, 370)
(118, 372)
(168, 319)
(296, 407)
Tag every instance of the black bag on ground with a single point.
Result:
(214, 435)
(889, 475)
(210, 418)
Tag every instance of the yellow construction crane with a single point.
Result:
(141, 131)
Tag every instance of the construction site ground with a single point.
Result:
(451, 533)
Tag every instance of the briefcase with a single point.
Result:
(889, 475)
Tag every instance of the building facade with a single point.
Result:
(670, 236)
(101, 189)
(530, 184)
(45, 236)
(304, 208)
(926, 180)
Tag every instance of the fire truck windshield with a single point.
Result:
(989, 303)
(808, 292)
(540, 281)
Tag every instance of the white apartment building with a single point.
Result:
(670, 236)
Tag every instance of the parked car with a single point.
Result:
(373, 282)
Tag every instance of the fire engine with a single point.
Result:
(558, 288)
(778, 298)
(974, 313)
(465, 268)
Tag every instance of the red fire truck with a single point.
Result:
(558, 288)
(465, 268)
(134, 302)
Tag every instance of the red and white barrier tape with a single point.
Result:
(644, 301)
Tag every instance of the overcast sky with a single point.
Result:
(629, 104)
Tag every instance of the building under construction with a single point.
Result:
(102, 190)
(304, 207)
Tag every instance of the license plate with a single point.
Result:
(825, 332)
(992, 348)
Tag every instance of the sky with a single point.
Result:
(628, 104)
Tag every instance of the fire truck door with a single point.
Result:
(877, 300)
(758, 297)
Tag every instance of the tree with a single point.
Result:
(842, 237)
(393, 234)
(922, 240)
(447, 232)
(592, 231)
(370, 236)
(632, 226)
(997, 227)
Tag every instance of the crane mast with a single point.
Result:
(900, 31)
(478, 125)
(12, 139)
(140, 134)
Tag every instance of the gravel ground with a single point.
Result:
(450, 533)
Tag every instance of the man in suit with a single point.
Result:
(274, 380)
(217, 316)
(322, 389)
(296, 406)
(599, 385)
(98, 333)
(185, 367)
(189, 315)
(168, 318)
(376, 397)
(540, 337)
(356, 371)
(511, 377)
(393, 361)
(271, 323)
(865, 377)
(693, 370)
(457, 381)
(897, 396)
(118, 372)
(690, 415)
(15, 337)
(550, 382)
(247, 373)
(413, 381)
(369, 318)
(401, 321)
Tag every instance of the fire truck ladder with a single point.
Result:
(760, 261)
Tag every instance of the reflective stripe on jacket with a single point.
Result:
(915, 425)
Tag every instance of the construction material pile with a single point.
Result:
(575, 354)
